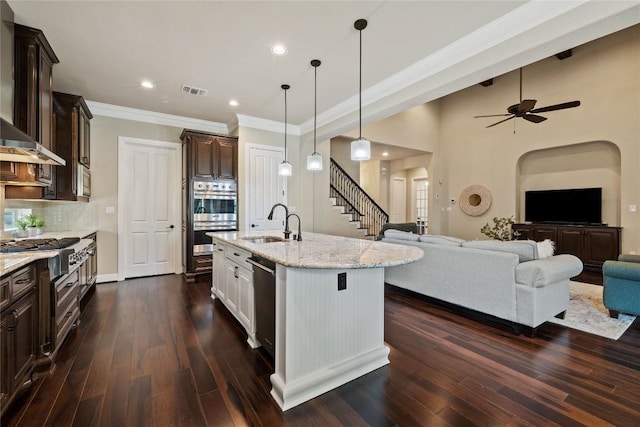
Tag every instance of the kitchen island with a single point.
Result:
(329, 308)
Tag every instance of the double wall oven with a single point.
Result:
(215, 208)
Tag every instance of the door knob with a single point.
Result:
(171, 226)
(253, 225)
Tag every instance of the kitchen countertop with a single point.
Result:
(323, 250)
(11, 262)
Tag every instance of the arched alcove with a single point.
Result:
(589, 164)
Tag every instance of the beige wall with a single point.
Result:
(104, 172)
(605, 76)
(274, 139)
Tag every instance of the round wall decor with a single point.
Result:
(475, 200)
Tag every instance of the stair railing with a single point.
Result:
(357, 202)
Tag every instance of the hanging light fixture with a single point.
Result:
(314, 160)
(285, 168)
(361, 147)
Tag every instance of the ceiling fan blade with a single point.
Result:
(562, 106)
(501, 121)
(526, 105)
(492, 115)
(533, 118)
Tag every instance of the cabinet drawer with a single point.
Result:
(66, 323)
(238, 256)
(203, 263)
(68, 285)
(69, 301)
(22, 281)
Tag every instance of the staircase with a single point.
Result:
(354, 203)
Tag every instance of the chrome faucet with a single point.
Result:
(287, 232)
(299, 238)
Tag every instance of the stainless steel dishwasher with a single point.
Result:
(264, 285)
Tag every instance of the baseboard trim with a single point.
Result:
(105, 278)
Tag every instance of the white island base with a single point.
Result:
(326, 337)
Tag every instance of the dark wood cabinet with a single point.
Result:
(18, 333)
(33, 107)
(211, 156)
(72, 134)
(207, 156)
(592, 244)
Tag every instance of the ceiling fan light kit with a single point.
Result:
(525, 109)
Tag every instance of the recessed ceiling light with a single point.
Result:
(233, 103)
(385, 154)
(147, 83)
(279, 49)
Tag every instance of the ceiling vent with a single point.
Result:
(191, 90)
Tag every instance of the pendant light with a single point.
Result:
(361, 147)
(314, 160)
(285, 168)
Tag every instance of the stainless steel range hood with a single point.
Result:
(17, 146)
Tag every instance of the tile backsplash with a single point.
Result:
(60, 216)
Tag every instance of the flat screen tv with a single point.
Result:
(575, 206)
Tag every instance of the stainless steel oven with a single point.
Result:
(215, 208)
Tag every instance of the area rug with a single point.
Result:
(587, 313)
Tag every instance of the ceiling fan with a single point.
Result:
(525, 109)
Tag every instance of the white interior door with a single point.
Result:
(266, 187)
(149, 203)
(398, 208)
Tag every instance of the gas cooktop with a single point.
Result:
(11, 246)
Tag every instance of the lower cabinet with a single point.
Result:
(232, 283)
(18, 333)
(592, 244)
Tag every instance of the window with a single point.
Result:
(422, 212)
(13, 215)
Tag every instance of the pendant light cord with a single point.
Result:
(285, 124)
(360, 89)
(315, 105)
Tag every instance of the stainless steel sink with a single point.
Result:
(262, 239)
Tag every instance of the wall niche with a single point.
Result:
(584, 165)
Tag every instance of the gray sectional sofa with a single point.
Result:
(507, 280)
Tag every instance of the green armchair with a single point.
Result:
(621, 292)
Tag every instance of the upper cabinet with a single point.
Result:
(72, 136)
(33, 106)
(210, 156)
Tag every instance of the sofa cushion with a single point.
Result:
(400, 235)
(527, 250)
(441, 240)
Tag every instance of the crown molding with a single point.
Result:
(265, 124)
(127, 113)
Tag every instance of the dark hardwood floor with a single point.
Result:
(158, 351)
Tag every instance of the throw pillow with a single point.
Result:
(400, 235)
(545, 248)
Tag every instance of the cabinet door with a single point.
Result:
(218, 269)
(570, 241)
(525, 230)
(84, 133)
(24, 339)
(227, 159)
(231, 282)
(601, 245)
(245, 299)
(5, 361)
(203, 156)
(45, 131)
(545, 232)
(93, 262)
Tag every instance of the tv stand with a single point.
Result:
(593, 244)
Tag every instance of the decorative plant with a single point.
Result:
(22, 223)
(500, 229)
(34, 220)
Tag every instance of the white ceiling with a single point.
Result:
(413, 51)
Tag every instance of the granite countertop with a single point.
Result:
(323, 250)
(13, 261)
(10, 262)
